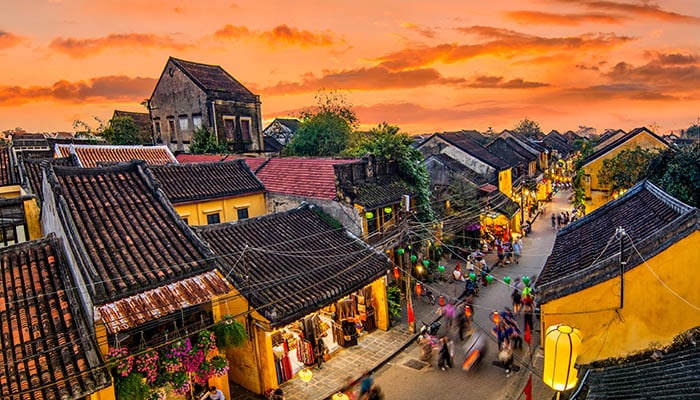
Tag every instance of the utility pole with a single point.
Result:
(621, 231)
(407, 263)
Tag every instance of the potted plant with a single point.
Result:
(229, 333)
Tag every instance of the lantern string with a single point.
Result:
(658, 278)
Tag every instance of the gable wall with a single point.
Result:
(651, 315)
(177, 95)
(343, 212)
(227, 208)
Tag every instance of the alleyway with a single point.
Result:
(394, 350)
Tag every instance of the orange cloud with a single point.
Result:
(281, 35)
(545, 18)
(616, 91)
(500, 42)
(640, 9)
(105, 88)
(374, 78)
(497, 82)
(79, 48)
(421, 30)
(8, 40)
(668, 77)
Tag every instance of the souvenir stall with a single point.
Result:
(296, 346)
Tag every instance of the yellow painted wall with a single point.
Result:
(651, 315)
(196, 213)
(101, 337)
(32, 215)
(381, 306)
(505, 182)
(591, 169)
(10, 192)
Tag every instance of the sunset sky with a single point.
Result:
(425, 66)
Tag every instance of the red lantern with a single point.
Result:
(442, 300)
(396, 272)
(468, 311)
(419, 288)
(495, 317)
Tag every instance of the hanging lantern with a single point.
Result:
(495, 318)
(396, 272)
(441, 268)
(562, 344)
(506, 279)
(305, 374)
(468, 311)
(419, 288)
(369, 215)
(340, 396)
(400, 251)
(472, 276)
(387, 210)
(426, 263)
(413, 258)
(441, 299)
(527, 292)
(489, 278)
(526, 280)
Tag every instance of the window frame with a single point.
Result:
(249, 121)
(238, 213)
(211, 215)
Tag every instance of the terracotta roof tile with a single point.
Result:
(379, 194)
(7, 172)
(253, 162)
(214, 80)
(654, 220)
(32, 172)
(46, 351)
(201, 181)
(469, 144)
(613, 144)
(90, 155)
(296, 262)
(305, 177)
(132, 236)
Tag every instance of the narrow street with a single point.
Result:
(406, 377)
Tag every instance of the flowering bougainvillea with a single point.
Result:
(123, 362)
(219, 365)
(147, 363)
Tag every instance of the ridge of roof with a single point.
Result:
(617, 142)
(188, 68)
(474, 148)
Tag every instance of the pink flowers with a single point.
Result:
(147, 363)
(123, 361)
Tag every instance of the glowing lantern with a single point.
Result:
(400, 251)
(426, 262)
(369, 215)
(506, 279)
(495, 317)
(562, 344)
(472, 276)
(396, 272)
(441, 268)
(419, 288)
(387, 210)
(442, 300)
(340, 396)
(413, 258)
(489, 278)
(468, 311)
(305, 374)
(526, 280)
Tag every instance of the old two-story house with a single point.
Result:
(624, 276)
(212, 192)
(47, 351)
(299, 279)
(282, 129)
(191, 95)
(596, 192)
(142, 276)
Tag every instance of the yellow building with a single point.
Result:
(298, 280)
(210, 193)
(655, 240)
(597, 193)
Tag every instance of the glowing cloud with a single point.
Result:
(545, 18)
(79, 48)
(497, 82)
(8, 40)
(641, 9)
(421, 30)
(105, 88)
(281, 35)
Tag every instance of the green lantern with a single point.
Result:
(506, 279)
(413, 258)
(472, 276)
(441, 268)
(426, 262)
(489, 278)
(387, 210)
(400, 251)
(526, 280)
(369, 215)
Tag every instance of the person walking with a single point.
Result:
(444, 356)
(554, 222)
(517, 248)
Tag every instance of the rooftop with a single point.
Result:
(89, 156)
(305, 177)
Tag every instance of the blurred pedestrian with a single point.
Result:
(444, 356)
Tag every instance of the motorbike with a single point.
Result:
(429, 340)
(475, 349)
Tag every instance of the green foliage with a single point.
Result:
(230, 333)
(85, 130)
(387, 142)
(676, 171)
(122, 131)
(204, 142)
(325, 130)
(625, 169)
(528, 128)
(131, 387)
(579, 188)
(393, 295)
(693, 132)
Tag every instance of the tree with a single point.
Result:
(528, 128)
(387, 142)
(121, 131)
(625, 169)
(325, 130)
(204, 142)
(675, 170)
(693, 132)
(83, 129)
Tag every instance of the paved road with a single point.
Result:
(404, 377)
